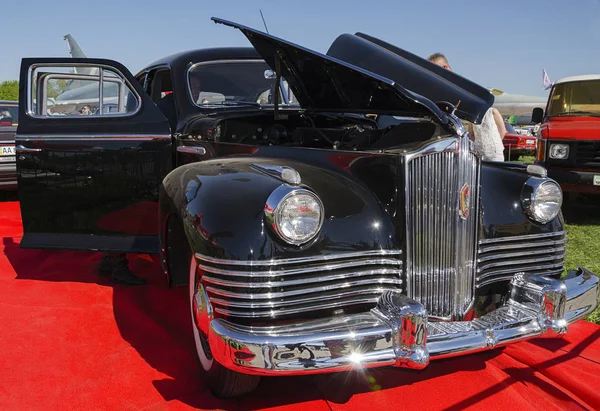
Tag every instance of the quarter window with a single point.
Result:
(77, 91)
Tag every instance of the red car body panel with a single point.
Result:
(571, 128)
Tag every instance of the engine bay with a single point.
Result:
(322, 130)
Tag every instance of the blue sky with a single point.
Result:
(497, 43)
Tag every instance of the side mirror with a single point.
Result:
(537, 116)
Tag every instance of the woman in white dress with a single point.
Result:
(488, 135)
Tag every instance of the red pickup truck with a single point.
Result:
(569, 136)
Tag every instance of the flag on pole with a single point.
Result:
(547, 83)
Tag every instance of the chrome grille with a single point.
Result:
(499, 259)
(272, 289)
(440, 243)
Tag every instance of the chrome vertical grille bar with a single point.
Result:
(441, 245)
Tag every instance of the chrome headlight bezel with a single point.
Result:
(531, 202)
(554, 147)
(276, 204)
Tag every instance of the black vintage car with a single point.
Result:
(327, 212)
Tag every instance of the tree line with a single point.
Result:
(9, 90)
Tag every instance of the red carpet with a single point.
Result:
(71, 340)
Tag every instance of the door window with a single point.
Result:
(80, 91)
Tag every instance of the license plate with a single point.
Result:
(7, 151)
(530, 142)
(597, 180)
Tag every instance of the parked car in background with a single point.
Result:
(312, 238)
(516, 144)
(9, 119)
(569, 137)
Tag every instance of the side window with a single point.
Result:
(141, 78)
(160, 85)
(76, 91)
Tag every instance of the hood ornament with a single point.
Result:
(464, 201)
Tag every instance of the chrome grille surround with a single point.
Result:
(498, 259)
(441, 242)
(272, 289)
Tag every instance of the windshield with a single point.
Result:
(9, 114)
(236, 83)
(575, 98)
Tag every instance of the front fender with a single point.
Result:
(501, 212)
(221, 205)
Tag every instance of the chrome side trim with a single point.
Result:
(518, 254)
(281, 294)
(518, 261)
(69, 137)
(521, 237)
(298, 260)
(518, 246)
(23, 149)
(304, 270)
(269, 292)
(540, 254)
(282, 311)
(514, 269)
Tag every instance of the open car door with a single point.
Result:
(92, 150)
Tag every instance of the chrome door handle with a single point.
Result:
(23, 149)
(191, 150)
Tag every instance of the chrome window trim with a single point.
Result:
(68, 137)
(298, 260)
(522, 237)
(29, 109)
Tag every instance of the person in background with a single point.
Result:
(488, 135)
(85, 110)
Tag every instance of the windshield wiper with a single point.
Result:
(578, 112)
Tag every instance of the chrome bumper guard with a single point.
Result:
(397, 332)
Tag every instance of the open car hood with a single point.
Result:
(325, 83)
(418, 74)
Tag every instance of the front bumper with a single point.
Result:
(397, 332)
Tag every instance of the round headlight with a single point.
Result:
(559, 151)
(296, 215)
(542, 199)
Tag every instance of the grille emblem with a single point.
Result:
(464, 202)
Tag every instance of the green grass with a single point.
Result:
(583, 235)
(583, 244)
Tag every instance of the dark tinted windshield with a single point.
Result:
(575, 98)
(222, 83)
(9, 113)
